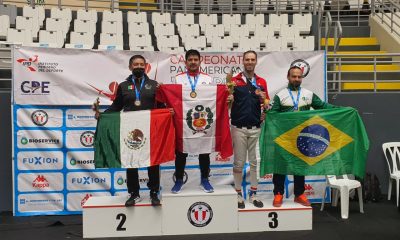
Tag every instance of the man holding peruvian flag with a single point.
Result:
(201, 119)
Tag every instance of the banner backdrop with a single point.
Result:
(54, 126)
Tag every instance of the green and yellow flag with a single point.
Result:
(318, 142)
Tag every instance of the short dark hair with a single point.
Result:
(293, 67)
(249, 51)
(192, 52)
(136, 57)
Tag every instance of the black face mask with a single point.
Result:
(138, 72)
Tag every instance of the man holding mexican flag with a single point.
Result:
(329, 141)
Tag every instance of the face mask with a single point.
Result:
(138, 72)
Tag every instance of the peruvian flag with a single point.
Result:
(202, 122)
(134, 139)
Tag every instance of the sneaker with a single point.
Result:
(154, 199)
(206, 186)
(302, 199)
(278, 198)
(178, 186)
(254, 200)
(132, 200)
(240, 201)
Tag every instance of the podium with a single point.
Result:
(190, 212)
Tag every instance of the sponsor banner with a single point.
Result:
(80, 160)
(35, 160)
(267, 178)
(80, 138)
(120, 180)
(313, 190)
(264, 191)
(41, 202)
(40, 182)
(53, 72)
(80, 118)
(221, 175)
(33, 117)
(88, 181)
(75, 201)
(39, 139)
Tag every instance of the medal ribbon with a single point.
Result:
(193, 84)
(138, 91)
(295, 103)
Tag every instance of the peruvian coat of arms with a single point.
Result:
(199, 119)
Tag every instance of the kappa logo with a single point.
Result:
(303, 65)
(39, 117)
(200, 214)
(28, 62)
(84, 199)
(309, 190)
(40, 182)
(135, 139)
(87, 139)
(113, 86)
(199, 119)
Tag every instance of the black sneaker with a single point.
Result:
(132, 200)
(241, 204)
(154, 199)
(255, 201)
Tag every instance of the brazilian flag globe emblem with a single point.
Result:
(311, 140)
(317, 142)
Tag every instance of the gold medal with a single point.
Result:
(137, 103)
(193, 94)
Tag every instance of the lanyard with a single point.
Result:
(295, 103)
(137, 91)
(193, 84)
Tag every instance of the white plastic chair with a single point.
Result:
(344, 186)
(393, 161)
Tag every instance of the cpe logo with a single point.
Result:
(87, 139)
(303, 65)
(200, 214)
(35, 87)
(28, 62)
(39, 117)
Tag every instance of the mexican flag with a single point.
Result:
(318, 142)
(134, 139)
(201, 122)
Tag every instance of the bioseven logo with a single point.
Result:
(39, 160)
(74, 161)
(39, 117)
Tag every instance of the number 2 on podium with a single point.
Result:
(121, 217)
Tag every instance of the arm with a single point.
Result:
(276, 106)
(317, 103)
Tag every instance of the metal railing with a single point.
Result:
(389, 14)
(341, 77)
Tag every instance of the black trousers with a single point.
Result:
(180, 163)
(132, 179)
(279, 184)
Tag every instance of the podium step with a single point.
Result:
(190, 212)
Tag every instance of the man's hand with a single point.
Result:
(230, 98)
(97, 115)
(95, 108)
(171, 110)
(262, 95)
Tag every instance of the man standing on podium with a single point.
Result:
(192, 78)
(137, 93)
(250, 94)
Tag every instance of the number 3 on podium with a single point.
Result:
(274, 219)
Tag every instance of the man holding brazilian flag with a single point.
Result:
(327, 141)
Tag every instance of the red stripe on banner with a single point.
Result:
(172, 96)
(162, 137)
(223, 139)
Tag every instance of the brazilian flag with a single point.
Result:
(318, 142)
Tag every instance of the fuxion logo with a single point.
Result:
(28, 62)
(200, 214)
(39, 117)
(39, 160)
(87, 138)
(88, 180)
